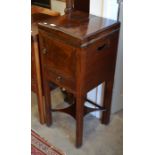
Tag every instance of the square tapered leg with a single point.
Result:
(48, 113)
(107, 102)
(79, 119)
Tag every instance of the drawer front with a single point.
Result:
(57, 55)
(60, 80)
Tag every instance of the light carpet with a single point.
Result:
(98, 139)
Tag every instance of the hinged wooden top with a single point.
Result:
(81, 27)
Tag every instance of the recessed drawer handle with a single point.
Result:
(44, 50)
(105, 45)
(59, 78)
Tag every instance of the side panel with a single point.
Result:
(101, 58)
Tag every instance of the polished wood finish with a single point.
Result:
(78, 52)
(36, 78)
(36, 9)
(38, 14)
(107, 101)
(82, 5)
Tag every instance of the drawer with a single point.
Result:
(57, 55)
(60, 79)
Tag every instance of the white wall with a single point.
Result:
(110, 9)
(117, 102)
(96, 7)
(58, 6)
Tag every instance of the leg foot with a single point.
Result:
(41, 108)
(107, 102)
(48, 113)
